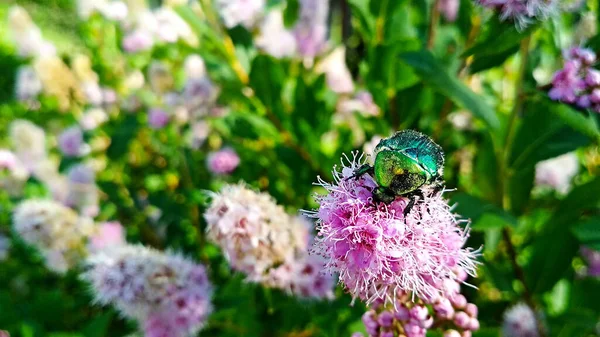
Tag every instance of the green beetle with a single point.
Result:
(403, 164)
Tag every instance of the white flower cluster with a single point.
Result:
(168, 294)
(57, 231)
(262, 241)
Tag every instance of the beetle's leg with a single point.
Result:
(381, 194)
(362, 170)
(412, 199)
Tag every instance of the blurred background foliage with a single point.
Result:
(281, 120)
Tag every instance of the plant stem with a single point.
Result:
(434, 18)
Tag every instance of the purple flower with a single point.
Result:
(376, 250)
(70, 142)
(567, 83)
(167, 293)
(522, 11)
(223, 161)
(157, 118)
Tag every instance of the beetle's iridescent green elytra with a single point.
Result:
(403, 163)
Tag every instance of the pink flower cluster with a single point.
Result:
(223, 161)
(577, 83)
(522, 11)
(377, 250)
(453, 315)
(168, 294)
(265, 243)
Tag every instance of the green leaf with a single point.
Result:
(434, 74)
(475, 209)
(124, 133)
(555, 248)
(542, 136)
(580, 198)
(291, 12)
(588, 232)
(366, 21)
(484, 62)
(267, 76)
(485, 171)
(500, 36)
(519, 189)
(575, 119)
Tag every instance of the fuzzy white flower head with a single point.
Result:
(253, 231)
(153, 287)
(194, 67)
(29, 142)
(519, 321)
(57, 231)
(93, 118)
(240, 12)
(557, 172)
(171, 27)
(274, 39)
(336, 72)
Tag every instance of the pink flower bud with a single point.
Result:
(592, 78)
(402, 313)
(473, 324)
(461, 319)
(419, 313)
(386, 319)
(458, 301)
(444, 309)
(369, 319)
(471, 309)
(451, 333)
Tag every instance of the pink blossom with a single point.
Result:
(223, 161)
(158, 118)
(376, 250)
(137, 41)
(108, 234)
(449, 9)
